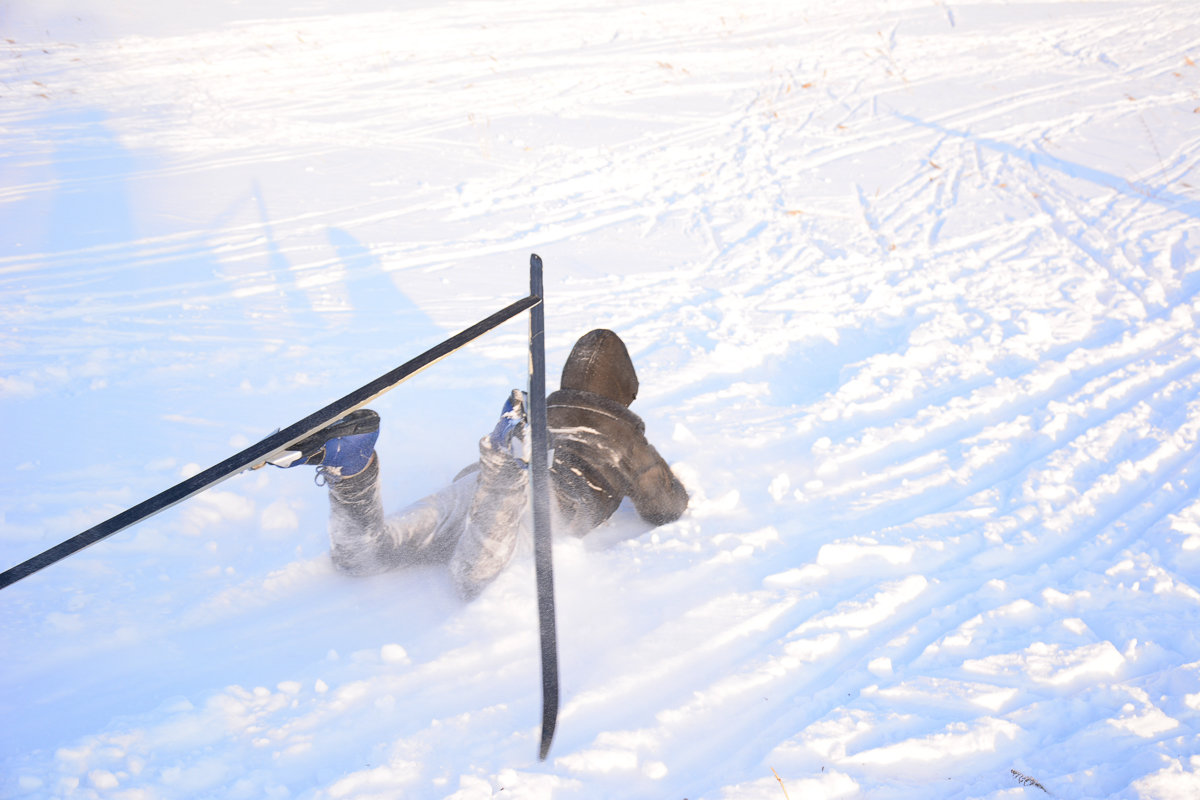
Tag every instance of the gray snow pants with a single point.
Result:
(471, 525)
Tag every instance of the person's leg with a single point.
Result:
(365, 542)
(428, 531)
(358, 539)
(472, 524)
(489, 536)
(362, 541)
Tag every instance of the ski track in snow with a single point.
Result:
(912, 291)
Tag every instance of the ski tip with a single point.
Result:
(549, 715)
(535, 276)
(547, 738)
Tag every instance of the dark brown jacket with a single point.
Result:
(601, 454)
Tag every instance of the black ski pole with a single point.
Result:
(258, 453)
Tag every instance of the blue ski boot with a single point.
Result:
(338, 451)
(510, 426)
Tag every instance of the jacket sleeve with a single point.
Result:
(656, 493)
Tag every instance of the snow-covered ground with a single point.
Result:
(912, 289)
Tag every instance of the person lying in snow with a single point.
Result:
(600, 456)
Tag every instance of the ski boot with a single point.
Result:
(509, 434)
(339, 450)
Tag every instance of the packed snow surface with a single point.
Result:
(912, 289)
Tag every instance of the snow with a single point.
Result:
(912, 290)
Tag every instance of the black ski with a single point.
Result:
(539, 479)
(269, 447)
